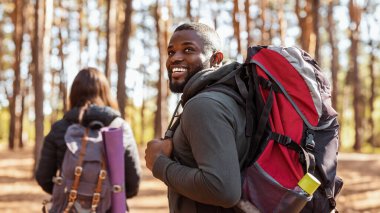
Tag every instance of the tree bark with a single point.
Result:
(21, 118)
(305, 20)
(160, 120)
(15, 99)
(334, 56)
(248, 22)
(372, 96)
(265, 35)
(123, 57)
(316, 44)
(111, 37)
(63, 79)
(38, 76)
(82, 35)
(235, 21)
(371, 68)
(355, 16)
(188, 10)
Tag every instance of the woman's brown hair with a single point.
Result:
(90, 86)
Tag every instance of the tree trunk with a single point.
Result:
(372, 96)
(123, 57)
(316, 44)
(161, 113)
(21, 118)
(188, 10)
(335, 54)
(63, 79)
(38, 76)
(371, 68)
(306, 24)
(111, 37)
(248, 22)
(264, 32)
(15, 99)
(82, 35)
(236, 23)
(355, 15)
(334, 58)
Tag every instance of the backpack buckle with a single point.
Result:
(73, 195)
(310, 144)
(102, 174)
(96, 197)
(78, 170)
(58, 180)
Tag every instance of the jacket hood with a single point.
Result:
(205, 78)
(99, 115)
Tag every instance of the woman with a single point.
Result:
(90, 90)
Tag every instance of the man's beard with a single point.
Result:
(178, 88)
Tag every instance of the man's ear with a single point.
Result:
(216, 58)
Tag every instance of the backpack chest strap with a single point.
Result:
(306, 158)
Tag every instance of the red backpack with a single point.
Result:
(295, 130)
(292, 127)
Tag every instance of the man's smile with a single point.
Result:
(178, 72)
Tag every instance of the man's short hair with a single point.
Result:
(209, 36)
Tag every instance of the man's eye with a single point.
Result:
(170, 53)
(188, 50)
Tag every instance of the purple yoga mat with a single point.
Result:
(114, 149)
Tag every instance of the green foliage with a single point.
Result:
(142, 131)
(4, 125)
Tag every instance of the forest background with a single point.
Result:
(44, 43)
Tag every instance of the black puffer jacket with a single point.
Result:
(54, 148)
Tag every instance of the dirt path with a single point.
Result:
(20, 194)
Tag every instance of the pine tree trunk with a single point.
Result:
(82, 35)
(111, 37)
(335, 54)
(306, 24)
(21, 118)
(355, 15)
(38, 76)
(235, 20)
(123, 57)
(315, 14)
(188, 10)
(161, 113)
(372, 96)
(63, 79)
(15, 99)
(248, 22)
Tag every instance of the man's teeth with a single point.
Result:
(177, 69)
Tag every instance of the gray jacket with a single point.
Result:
(209, 146)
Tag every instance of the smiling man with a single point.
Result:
(201, 163)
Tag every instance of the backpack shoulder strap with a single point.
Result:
(77, 173)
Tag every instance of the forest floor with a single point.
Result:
(19, 193)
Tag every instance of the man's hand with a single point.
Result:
(155, 148)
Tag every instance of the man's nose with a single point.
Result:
(177, 57)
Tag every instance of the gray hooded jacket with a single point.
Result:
(209, 146)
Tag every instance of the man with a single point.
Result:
(201, 163)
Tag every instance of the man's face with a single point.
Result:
(185, 58)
